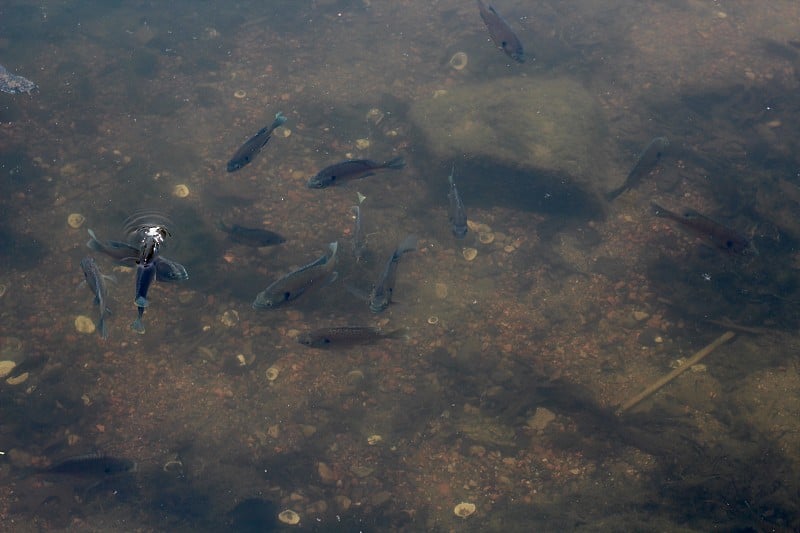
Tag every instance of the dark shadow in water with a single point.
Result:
(742, 481)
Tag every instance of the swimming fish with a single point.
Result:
(253, 146)
(381, 295)
(351, 169)
(343, 336)
(251, 236)
(119, 251)
(456, 211)
(96, 281)
(647, 161)
(296, 283)
(145, 274)
(721, 236)
(92, 465)
(501, 33)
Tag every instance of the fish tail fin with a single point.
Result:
(396, 163)
(138, 326)
(279, 120)
(101, 326)
(333, 247)
(94, 243)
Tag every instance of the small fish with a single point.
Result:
(719, 235)
(92, 465)
(253, 146)
(351, 169)
(381, 295)
(457, 212)
(145, 274)
(255, 237)
(13, 84)
(342, 336)
(96, 281)
(647, 161)
(294, 284)
(501, 33)
(359, 244)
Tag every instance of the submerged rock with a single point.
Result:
(552, 129)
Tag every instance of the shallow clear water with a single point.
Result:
(503, 391)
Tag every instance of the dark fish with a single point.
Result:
(296, 283)
(381, 295)
(647, 161)
(350, 170)
(359, 244)
(457, 213)
(501, 33)
(92, 465)
(253, 146)
(719, 235)
(342, 336)
(251, 236)
(13, 84)
(147, 230)
(119, 251)
(167, 270)
(96, 281)
(145, 274)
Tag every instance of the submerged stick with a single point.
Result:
(693, 360)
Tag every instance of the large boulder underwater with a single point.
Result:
(530, 143)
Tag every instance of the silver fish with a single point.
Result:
(351, 169)
(343, 336)
(647, 161)
(245, 154)
(721, 236)
(96, 281)
(457, 212)
(501, 33)
(145, 274)
(381, 295)
(296, 283)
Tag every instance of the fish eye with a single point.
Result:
(326, 340)
(287, 295)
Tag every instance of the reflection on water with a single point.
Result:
(503, 393)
